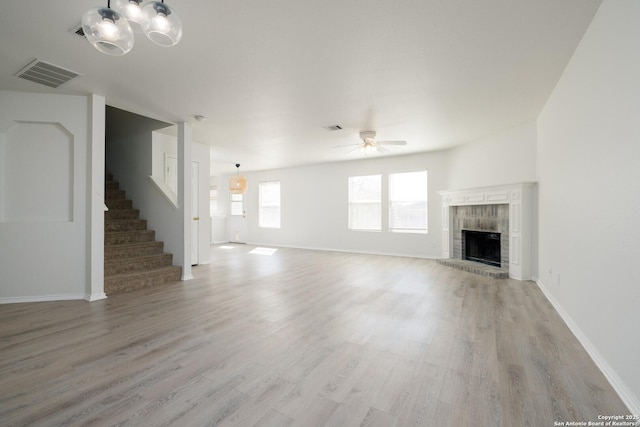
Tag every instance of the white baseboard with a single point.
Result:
(95, 297)
(626, 395)
(41, 298)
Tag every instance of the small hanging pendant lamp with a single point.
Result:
(161, 24)
(238, 183)
(132, 12)
(107, 30)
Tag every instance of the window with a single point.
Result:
(365, 202)
(236, 204)
(408, 202)
(213, 200)
(269, 204)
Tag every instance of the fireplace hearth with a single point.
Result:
(501, 210)
(481, 246)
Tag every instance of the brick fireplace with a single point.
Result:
(481, 218)
(502, 211)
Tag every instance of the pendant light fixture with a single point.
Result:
(161, 24)
(108, 31)
(132, 12)
(111, 30)
(238, 183)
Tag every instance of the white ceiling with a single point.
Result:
(268, 76)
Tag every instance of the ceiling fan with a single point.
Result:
(370, 145)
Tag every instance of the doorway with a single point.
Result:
(237, 219)
(195, 213)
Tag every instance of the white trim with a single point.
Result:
(626, 395)
(95, 297)
(42, 298)
(518, 197)
(165, 191)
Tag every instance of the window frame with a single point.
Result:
(392, 202)
(351, 220)
(261, 205)
(234, 201)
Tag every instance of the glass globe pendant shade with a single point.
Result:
(107, 31)
(161, 24)
(131, 10)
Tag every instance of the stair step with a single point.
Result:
(111, 185)
(132, 250)
(121, 283)
(119, 204)
(114, 194)
(122, 214)
(124, 237)
(132, 257)
(119, 266)
(125, 224)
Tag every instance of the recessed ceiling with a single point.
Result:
(269, 76)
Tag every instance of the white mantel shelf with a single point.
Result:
(518, 197)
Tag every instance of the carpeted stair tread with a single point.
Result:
(129, 250)
(125, 224)
(124, 265)
(130, 236)
(133, 259)
(119, 204)
(113, 214)
(120, 283)
(113, 194)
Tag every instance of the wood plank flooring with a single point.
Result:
(301, 338)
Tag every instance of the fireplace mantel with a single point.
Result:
(518, 197)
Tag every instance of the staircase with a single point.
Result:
(132, 257)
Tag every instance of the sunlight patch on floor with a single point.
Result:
(263, 251)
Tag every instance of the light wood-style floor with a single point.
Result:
(301, 338)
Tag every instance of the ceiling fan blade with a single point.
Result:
(381, 149)
(346, 145)
(358, 148)
(392, 142)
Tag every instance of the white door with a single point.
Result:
(195, 213)
(237, 219)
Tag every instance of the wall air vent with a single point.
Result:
(333, 127)
(46, 74)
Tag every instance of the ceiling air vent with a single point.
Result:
(46, 74)
(78, 31)
(333, 127)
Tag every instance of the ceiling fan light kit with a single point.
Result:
(111, 31)
(370, 145)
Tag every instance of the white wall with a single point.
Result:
(588, 164)
(129, 159)
(164, 144)
(220, 219)
(507, 157)
(314, 207)
(45, 241)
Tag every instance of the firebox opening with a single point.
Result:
(480, 246)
